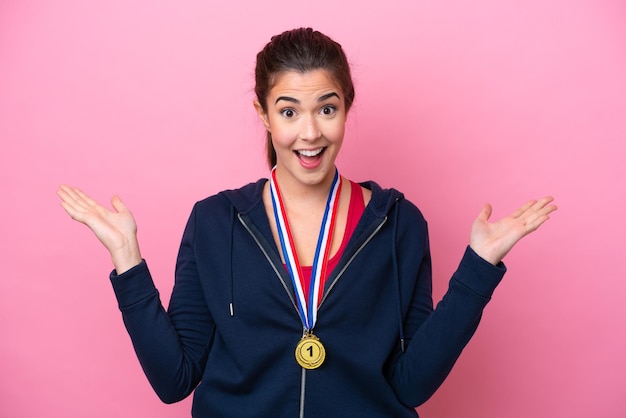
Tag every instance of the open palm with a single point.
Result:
(492, 241)
(116, 229)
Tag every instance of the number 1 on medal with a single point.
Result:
(310, 352)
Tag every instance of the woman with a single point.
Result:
(306, 295)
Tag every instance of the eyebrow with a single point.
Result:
(296, 101)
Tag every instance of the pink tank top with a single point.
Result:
(355, 210)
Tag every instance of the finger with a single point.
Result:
(535, 223)
(551, 208)
(118, 205)
(69, 199)
(73, 196)
(485, 212)
(540, 214)
(90, 205)
(62, 193)
(543, 202)
(80, 206)
(520, 211)
(75, 212)
(85, 198)
(542, 207)
(65, 193)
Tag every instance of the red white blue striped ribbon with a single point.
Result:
(307, 309)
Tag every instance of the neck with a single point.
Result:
(294, 191)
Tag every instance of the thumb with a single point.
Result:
(485, 213)
(118, 205)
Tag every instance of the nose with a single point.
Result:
(310, 128)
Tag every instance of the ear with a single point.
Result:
(262, 115)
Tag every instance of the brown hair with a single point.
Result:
(300, 50)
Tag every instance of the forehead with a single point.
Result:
(311, 83)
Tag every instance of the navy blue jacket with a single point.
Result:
(232, 326)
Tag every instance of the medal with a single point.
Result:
(310, 352)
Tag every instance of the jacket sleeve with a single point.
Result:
(437, 337)
(171, 346)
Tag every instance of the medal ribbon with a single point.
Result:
(306, 309)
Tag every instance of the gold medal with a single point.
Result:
(310, 352)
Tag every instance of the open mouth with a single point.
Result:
(310, 153)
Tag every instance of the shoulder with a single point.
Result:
(217, 212)
(242, 199)
(385, 201)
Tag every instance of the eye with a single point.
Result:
(288, 113)
(328, 110)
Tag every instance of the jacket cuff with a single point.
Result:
(479, 275)
(133, 285)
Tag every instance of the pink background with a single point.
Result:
(458, 103)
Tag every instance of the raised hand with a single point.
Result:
(116, 229)
(492, 241)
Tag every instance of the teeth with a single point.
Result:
(310, 153)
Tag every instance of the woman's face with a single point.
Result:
(306, 116)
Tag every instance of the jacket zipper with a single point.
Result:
(293, 302)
